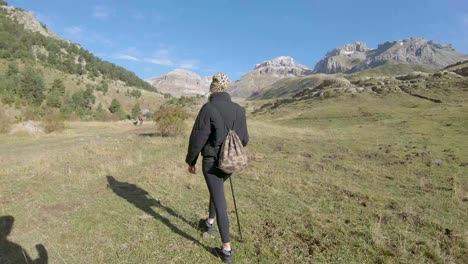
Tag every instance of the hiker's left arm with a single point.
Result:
(244, 132)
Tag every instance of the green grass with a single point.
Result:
(343, 180)
(391, 69)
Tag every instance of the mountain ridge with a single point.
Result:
(357, 56)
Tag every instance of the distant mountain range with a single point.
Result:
(388, 59)
(357, 56)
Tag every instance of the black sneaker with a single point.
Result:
(205, 227)
(224, 255)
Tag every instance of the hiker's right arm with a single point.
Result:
(200, 132)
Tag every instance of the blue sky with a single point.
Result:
(154, 37)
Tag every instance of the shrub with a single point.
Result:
(53, 121)
(135, 93)
(103, 87)
(83, 100)
(136, 111)
(115, 106)
(32, 113)
(58, 87)
(5, 122)
(103, 115)
(32, 86)
(54, 99)
(170, 120)
(328, 93)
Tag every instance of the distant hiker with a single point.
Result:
(140, 119)
(208, 134)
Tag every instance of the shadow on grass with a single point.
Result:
(13, 253)
(143, 201)
(149, 134)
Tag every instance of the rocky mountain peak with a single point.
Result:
(181, 82)
(29, 21)
(266, 73)
(282, 66)
(347, 49)
(282, 61)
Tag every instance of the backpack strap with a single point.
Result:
(224, 121)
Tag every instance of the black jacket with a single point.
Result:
(209, 130)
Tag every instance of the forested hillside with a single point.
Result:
(18, 43)
(42, 73)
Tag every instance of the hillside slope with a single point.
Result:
(24, 37)
(34, 61)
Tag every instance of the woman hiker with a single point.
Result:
(208, 133)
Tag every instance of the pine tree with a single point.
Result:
(32, 86)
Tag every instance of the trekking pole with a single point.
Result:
(235, 207)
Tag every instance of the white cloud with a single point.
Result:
(188, 64)
(74, 32)
(102, 12)
(161, 57)
(130, 54)
(126, 57)
(164, 62)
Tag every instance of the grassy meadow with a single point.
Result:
(353, 179)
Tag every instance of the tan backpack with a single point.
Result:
(232, 157)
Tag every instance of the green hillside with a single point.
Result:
(392, 69)
(33, 65)
(18, 43)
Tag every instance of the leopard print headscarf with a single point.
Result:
(220, 83)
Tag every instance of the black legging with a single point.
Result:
(215, 179)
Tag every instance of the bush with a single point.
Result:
(136, 111)
(58, 87)
(115, 106)
(170, 120)
(32, 113)
(5, 122)
(135, 93)
(103, 87)
(328, 93)
(53, 121)
(32, 86)
(103, 115)
(83, 100)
